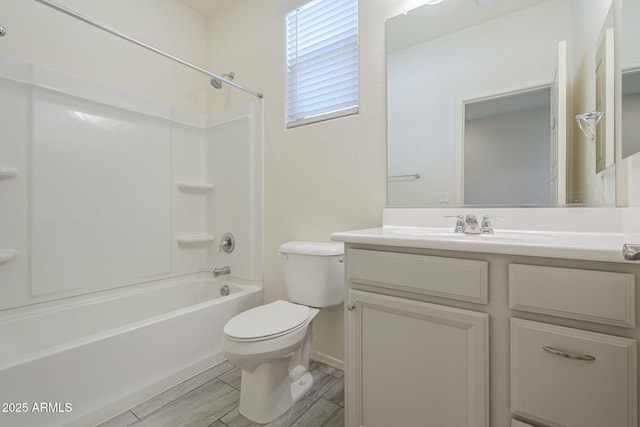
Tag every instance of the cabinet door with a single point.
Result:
(415, 364)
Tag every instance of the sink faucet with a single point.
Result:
(471, 224)
(220, 271)
(466, 224)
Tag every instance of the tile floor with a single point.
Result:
(211, 399)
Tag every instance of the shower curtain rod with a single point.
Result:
(117, 33)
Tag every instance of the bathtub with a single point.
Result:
(76, 362)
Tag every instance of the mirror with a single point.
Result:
(506, 149)
(604, 133)
(477, 104)
(630, 35)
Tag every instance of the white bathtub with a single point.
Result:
(77, 362)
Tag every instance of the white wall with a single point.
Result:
(320, 178)
(507, 159)
(42, 36)
(428, 83)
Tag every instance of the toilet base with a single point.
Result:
(266, 393)
(301, 387)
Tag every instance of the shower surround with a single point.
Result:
(111, 197)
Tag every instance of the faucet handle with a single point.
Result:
(227, 243)
(485, 226)
(459, 223)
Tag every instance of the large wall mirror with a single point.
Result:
(630, 49)
(482, 99)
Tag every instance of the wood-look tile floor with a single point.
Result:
(211, 399)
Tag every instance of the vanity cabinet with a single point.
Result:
(442, 338)
(417, 363)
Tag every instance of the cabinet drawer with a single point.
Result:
(453, 278)
(569, 377)
(593, 296)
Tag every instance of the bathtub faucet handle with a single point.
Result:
(227, 243)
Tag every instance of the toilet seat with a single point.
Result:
(267, 321)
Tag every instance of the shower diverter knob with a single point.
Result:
(227, 243)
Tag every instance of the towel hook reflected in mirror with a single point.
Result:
(585, 123)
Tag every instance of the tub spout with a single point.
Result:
(220, 271)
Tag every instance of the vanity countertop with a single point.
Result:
(589, 246)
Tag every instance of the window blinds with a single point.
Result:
(322, 61)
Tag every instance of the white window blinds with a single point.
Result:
(322, 61)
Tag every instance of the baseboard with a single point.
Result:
(328, 360)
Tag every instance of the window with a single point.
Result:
(322, 61)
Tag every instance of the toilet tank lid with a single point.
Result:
(312, 248)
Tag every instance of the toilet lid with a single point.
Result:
(267, 320)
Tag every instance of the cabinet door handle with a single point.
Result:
(351, 307)
(568, 355)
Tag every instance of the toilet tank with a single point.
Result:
(314, 272)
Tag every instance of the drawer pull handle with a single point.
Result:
(568, 355)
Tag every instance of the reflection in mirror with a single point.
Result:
(630, 112)
(630, 77)
(605, 101)
(507, 149)
(441, 58)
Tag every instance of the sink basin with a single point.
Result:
(500, 235)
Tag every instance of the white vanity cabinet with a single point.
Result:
(412, 363)
(438, 338)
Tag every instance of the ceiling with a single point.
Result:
(203, 7)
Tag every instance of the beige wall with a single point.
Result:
(42, 36)
(319, 178)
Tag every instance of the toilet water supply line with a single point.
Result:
(140, 43)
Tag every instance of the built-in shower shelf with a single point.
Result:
(194, 187)
(7, 255)
(7, 172)
(194, 239)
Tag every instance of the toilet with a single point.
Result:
(272, 343)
